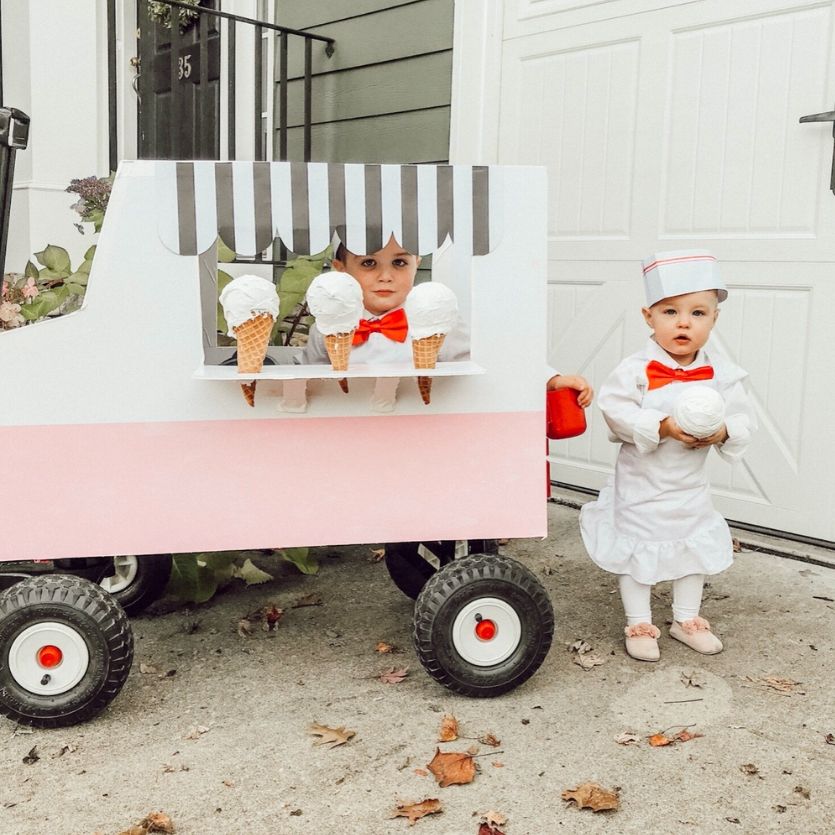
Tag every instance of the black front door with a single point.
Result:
(181, 122)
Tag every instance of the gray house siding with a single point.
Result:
(384, 96)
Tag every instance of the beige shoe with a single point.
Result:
(642, 641)
(697, 635)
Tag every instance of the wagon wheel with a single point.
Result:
(483, 625)
(136, 582)
(411, 564)
(66, 649)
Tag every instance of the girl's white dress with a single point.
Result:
(655, 520)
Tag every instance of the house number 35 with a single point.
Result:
(184, 67)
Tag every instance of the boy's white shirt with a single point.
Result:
(380, 349)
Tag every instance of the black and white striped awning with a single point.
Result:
(249, 204)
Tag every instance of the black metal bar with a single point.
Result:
(259, 92)
(230, 128)
(308, 97)
(207, 120)
(14, 136)
(176, 92)
(282, 99)
(112, 112)
(1, 60)
(274, 27)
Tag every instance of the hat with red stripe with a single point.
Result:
(668, 274)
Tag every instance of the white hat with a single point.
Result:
(669, 274)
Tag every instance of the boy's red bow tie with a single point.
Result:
(659, 374)
(393, 325)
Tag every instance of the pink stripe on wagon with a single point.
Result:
(138, 488)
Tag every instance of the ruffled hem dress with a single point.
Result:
(655, 520)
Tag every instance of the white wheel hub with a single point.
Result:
(125, 568)
(41, 680)
(504, 631)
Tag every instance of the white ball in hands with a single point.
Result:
(699, 410)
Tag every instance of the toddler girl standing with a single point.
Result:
(655, 521)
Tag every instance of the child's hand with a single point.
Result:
(718, 437)
(576, 382)
(668, 428)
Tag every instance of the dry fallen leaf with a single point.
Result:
(592, 796)
(272, 615)
(486, 829)
(580, 646)
(383, 647)
(66, 748)
(497, 764)
(588, 660)
(148, 669)
(737, 545)
(659, 740)
(196, 731)
(167, 768)
(394, 675)
(377, 554)
(311, 599)
(452, 768)
(155, 822)
(803, 792)
(134, 830)
(493, 818)
(330, 736)
(627, 739)
(421, 772)
(690, 680)
(829, 739)
(32, 757)
(415, 811)
(783, 686)
(449, 729)
(244, 628)
(490, 739)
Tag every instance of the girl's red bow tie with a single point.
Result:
(393, 326)
(659, 375)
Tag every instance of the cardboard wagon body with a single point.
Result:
(121, 426)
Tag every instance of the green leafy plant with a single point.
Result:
(51, 290)
(162, 13)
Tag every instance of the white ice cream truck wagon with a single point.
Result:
(130, 416)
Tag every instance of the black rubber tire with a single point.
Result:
(96, 617)
(153, 571)
(456, 585)
(410, 571)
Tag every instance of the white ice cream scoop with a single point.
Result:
(245, 297)
(335, 300)
(431, 308)
(699, 410)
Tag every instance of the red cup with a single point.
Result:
(565, 418)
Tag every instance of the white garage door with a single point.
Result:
(668, 126)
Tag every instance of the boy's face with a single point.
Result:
(385, 276)
(682, 324)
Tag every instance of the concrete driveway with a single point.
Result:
(212, 728)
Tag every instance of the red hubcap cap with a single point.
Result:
(485, 629)
(49, 656)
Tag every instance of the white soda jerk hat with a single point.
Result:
(669, 274)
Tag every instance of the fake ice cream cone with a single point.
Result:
(339, 346)
(248, 390)
(425, 354)
(343, 384)
(253, 337)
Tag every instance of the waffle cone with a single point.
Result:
(248, 390)
(339, 349)
(425, 389)
(253, 337)
(425, 351)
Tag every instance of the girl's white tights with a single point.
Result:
(687, 598)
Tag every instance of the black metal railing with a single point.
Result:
(207, 113)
